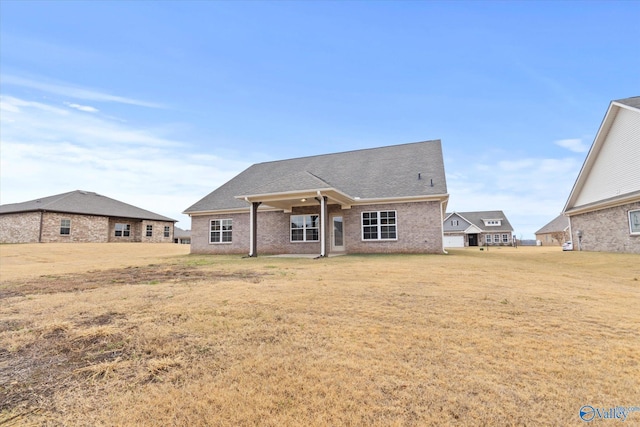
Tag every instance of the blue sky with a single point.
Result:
(158, 103)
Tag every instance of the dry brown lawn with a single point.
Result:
(148, 335)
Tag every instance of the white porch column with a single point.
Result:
(323, 222)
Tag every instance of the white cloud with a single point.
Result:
(85, 108)
(48, 150)
(71, 91)
(576, 145)
(530, 191)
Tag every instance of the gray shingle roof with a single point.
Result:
(559, 223)
(179, 232)
(83, 203)
(631, 102)
(476, 218)
(375, 173)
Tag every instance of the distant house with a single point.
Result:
(81, 216)
(381, 200)
(483, 228)
(555, 232)
(181, 236)
(604, 204)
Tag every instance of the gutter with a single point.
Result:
(442, 209)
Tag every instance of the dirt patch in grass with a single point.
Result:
(149, 275)
(87, 346)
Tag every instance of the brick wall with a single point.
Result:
(606, 230)
(84, 228)
(157, 232)
(482, 240)
(419, 231)
(20, 227)
(25, 228)
(200, 229)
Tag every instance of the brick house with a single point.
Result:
(381, 200)
(81, 216)
(482, 228)
(554, 233)
(604, 204)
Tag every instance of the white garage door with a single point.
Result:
(454, 241)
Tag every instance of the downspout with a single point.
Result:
(570, 232)
(442, 227)
(40, 232)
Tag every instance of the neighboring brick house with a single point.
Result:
(604, 204)
(555, 232)
(381, 200)
(81, 216)
(484, 228)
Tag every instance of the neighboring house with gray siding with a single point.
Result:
(604, 204)
(482, 228)
(555, 233)
(380, 200)
(81, 216)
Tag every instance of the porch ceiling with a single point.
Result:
(288, 200)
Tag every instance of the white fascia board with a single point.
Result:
(285, 195)
(405, 199)
(616, 201)
(449, 216)
(601, 136)
(473, 229)
(229, 211)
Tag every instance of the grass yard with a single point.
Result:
(147, 335)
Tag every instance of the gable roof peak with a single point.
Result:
(633, 102)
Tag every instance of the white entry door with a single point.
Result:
(337, 234)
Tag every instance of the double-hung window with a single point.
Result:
(65, 227)
(305, 228)
(149, 230)
(123, 230)
(221, 231)
(488, 237)
(634, 222)
(379, 225)
(505, 238)
(167, 231)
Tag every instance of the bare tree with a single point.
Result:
(558, 236)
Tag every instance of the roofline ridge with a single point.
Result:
(348, 151)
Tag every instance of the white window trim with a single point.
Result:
(220, 242)
(488, 238)
(379, 225)
(633, 233)
(304, 229)
(65, 226)
(505, 238)
(167, 231)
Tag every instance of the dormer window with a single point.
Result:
(492, 222)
